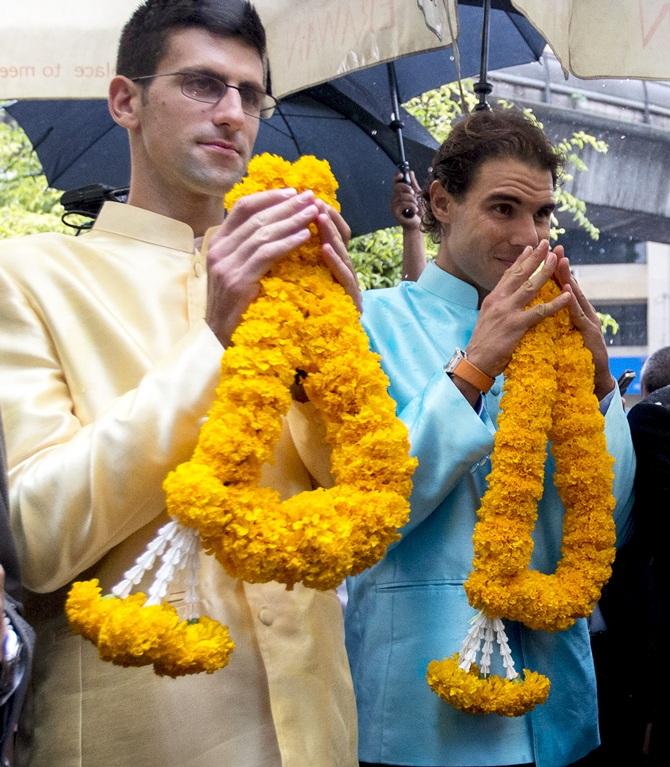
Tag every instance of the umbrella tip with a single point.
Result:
(482, 88)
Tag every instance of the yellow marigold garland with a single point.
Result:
(301, 321)
(301, 324)
(474, 694)
(129, 633)
(548, 395)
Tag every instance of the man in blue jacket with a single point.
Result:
(445, 341)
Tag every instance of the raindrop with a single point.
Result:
(451, 58)
(622, 137)
(374, 132)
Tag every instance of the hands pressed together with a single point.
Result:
(260, 230)
(264, 227)
(504, 318)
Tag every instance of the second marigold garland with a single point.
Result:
(301, 321)
(548, 396)
(302, 324)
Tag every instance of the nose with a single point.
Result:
(527, 232)
(228, 109)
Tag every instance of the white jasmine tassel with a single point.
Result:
(479, 639)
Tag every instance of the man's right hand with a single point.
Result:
(503, 318)
(260, 230)
(405, 198)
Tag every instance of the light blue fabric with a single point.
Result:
(411, 608)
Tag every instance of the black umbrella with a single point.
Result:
(513, 41)
(79, 144)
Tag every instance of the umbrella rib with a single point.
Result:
(302, 115)
(366, 121)
(291, 134)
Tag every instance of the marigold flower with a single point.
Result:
(547, 398)
(302, 320)
(470, 692)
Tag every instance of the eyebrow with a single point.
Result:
(497, 197)
(211, 73)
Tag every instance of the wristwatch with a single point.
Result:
(460, 365)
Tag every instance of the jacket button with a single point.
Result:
(266, 616)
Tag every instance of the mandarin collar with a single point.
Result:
(146, 226)
(444, 285)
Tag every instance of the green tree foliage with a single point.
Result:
(378, 256)
(27, 205)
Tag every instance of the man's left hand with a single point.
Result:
(335, 235)
(585, 319)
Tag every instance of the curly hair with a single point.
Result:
(478, 137)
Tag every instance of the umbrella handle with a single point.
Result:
(403, 167)
(396, 125)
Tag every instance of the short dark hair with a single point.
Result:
(481, 136)
(656, 370)
(145, 36)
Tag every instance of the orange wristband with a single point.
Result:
(459, 365)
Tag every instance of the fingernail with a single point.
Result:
(307, 195)
(289, 191)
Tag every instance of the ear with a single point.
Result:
(441, 202)
(124, 100)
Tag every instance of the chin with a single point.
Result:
(216, 185)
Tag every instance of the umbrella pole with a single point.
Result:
(484, 87)
(289, 129)
(396, 126)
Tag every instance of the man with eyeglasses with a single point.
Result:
(110, 346)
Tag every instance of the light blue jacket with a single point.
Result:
(411, 608)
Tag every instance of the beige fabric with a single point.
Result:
(602, 38)
(68, 49)
(106, 368)
(312, 41)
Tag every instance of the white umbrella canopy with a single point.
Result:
(313, 41)
(67, 48)
(62, 49)
(605, 38)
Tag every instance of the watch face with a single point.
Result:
(457, 356)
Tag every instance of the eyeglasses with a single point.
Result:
(210, 90)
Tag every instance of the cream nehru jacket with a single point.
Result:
(106, 370)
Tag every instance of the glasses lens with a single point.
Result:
(256, 102)
(202, 88)
(252, 100)
(268, 107)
